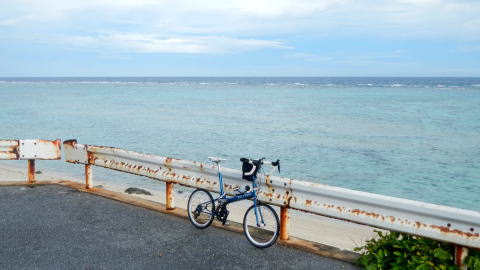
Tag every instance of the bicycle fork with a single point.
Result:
(257, 213)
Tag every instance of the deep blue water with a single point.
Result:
(415, 138)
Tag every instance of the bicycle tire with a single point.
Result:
(198, 217)
(261, 237)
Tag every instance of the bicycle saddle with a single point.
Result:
(216, 160)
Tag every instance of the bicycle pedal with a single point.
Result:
(225, 217)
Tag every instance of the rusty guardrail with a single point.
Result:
(30, 150)
(458, 226)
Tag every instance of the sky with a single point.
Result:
(44, 38)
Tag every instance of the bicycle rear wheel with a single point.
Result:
(264, 233)
(200, 208)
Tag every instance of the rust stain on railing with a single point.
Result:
(433, 221)
(9, 149)
(448, 230)
(30, 150)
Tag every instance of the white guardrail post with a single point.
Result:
(30, 150)
(447, 224)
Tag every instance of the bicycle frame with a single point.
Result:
(244, 196)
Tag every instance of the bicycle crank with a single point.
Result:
(222, 213)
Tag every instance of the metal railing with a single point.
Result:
(30, 150)
(447, 224)
(458, 226)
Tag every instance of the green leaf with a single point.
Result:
(423, 267)
(442, 254)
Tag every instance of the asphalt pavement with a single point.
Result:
(55, 227)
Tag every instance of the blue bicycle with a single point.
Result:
(260, 223)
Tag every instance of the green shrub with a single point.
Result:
(398, 251)
(473, 260)
(402, 251)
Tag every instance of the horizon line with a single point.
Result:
(234, 76)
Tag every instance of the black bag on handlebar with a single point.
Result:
(246, 168)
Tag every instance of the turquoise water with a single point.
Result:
(415, 138)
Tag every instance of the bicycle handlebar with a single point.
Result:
(260, 162)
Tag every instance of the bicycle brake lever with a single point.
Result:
(277, 163)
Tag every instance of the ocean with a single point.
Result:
(414, 138)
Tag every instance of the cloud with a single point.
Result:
(469, 48)
(310, 57)
(405, 18)
(8, 22)
(14, 21)
(141, 43)
(220, 26)
(282, 8)
(58, 9)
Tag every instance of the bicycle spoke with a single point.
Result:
(200, 208)
(261, 228)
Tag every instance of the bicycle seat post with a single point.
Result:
(219, 172)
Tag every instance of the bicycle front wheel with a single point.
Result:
(261, 228)
(200, 208)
